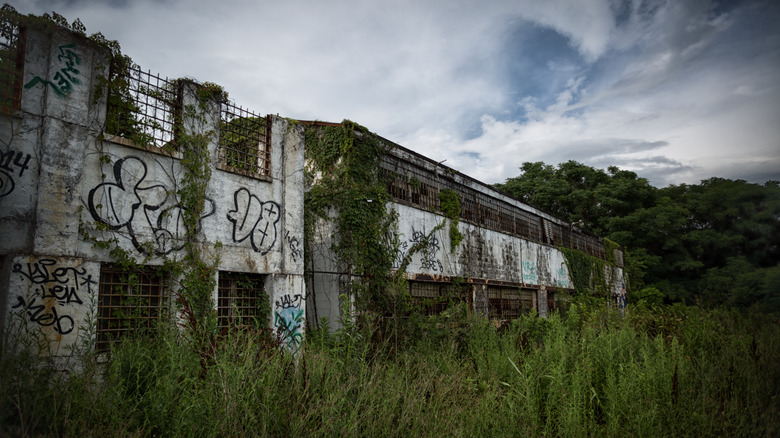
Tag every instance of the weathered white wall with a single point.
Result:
(62, 180)
(483, 255)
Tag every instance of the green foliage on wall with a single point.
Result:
(191, 270)
(450, 206)
(198, 275)
(349, 190)
(589, 274)
(239, 148)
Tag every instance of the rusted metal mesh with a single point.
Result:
(410, 184)
(128, 303)
(243, 141)
(144, 107)
(240, 296)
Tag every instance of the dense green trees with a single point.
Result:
(717, 242)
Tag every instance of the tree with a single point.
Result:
(717, 242)
(574, 192)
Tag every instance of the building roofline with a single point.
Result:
(486, 189)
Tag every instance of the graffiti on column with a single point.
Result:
(66, 77)
(255, 220)
(288, 320)
(52, 287)
(128, 203)
(295, 247)
(11, 163)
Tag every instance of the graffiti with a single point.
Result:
(287, 302)
(66, 77)
(288, 320)
(529, 272)
(142, 209)
(428, 248)
(255, 220)
(563, 276)
(9, 163)
(62, 284)
(55, 286)
(39, 315)
(295, 247)
(400, 253)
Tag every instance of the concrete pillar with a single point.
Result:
(542, 301)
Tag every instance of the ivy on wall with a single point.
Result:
(588, 273)
(349, 191)
(450, 206)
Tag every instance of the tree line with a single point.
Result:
(713, 243)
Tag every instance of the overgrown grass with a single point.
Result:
(590, 372)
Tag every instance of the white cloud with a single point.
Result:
(671, 89)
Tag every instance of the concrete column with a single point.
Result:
(542, 301)
(480, 299)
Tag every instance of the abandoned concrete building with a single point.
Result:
(104, 167)
(508, 262)
(94, 173)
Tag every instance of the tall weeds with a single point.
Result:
(590, 372)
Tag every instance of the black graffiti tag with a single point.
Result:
(295, 247)
(429, 248)
(10, 162)
(255, 220)
(63, 283)
(55, 286)
(38, 314)
(287, 301)
(140, 208)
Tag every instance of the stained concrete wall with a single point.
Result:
(484, 258)
(66, 184)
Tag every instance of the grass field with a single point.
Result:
(671, 371)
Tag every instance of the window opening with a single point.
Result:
(242, 300)
(434, 298)
(143, 107)
(128, 303)
(243, 141)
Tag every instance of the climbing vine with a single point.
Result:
(350, 191)
(588, 273)
(450, 206)
(198, 276)
(194, 272)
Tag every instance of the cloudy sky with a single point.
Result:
(677, 91)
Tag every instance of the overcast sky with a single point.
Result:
(677, 91)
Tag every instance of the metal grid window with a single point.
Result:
(11, 65)
(434, 298)
(128, 303)
(508, 302)
(144, 108)
(243, 141)
(241, 300)
(409, 183)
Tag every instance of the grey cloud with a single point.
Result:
(659, 170)
(604, 149)
(429, 71)
(58, 5)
